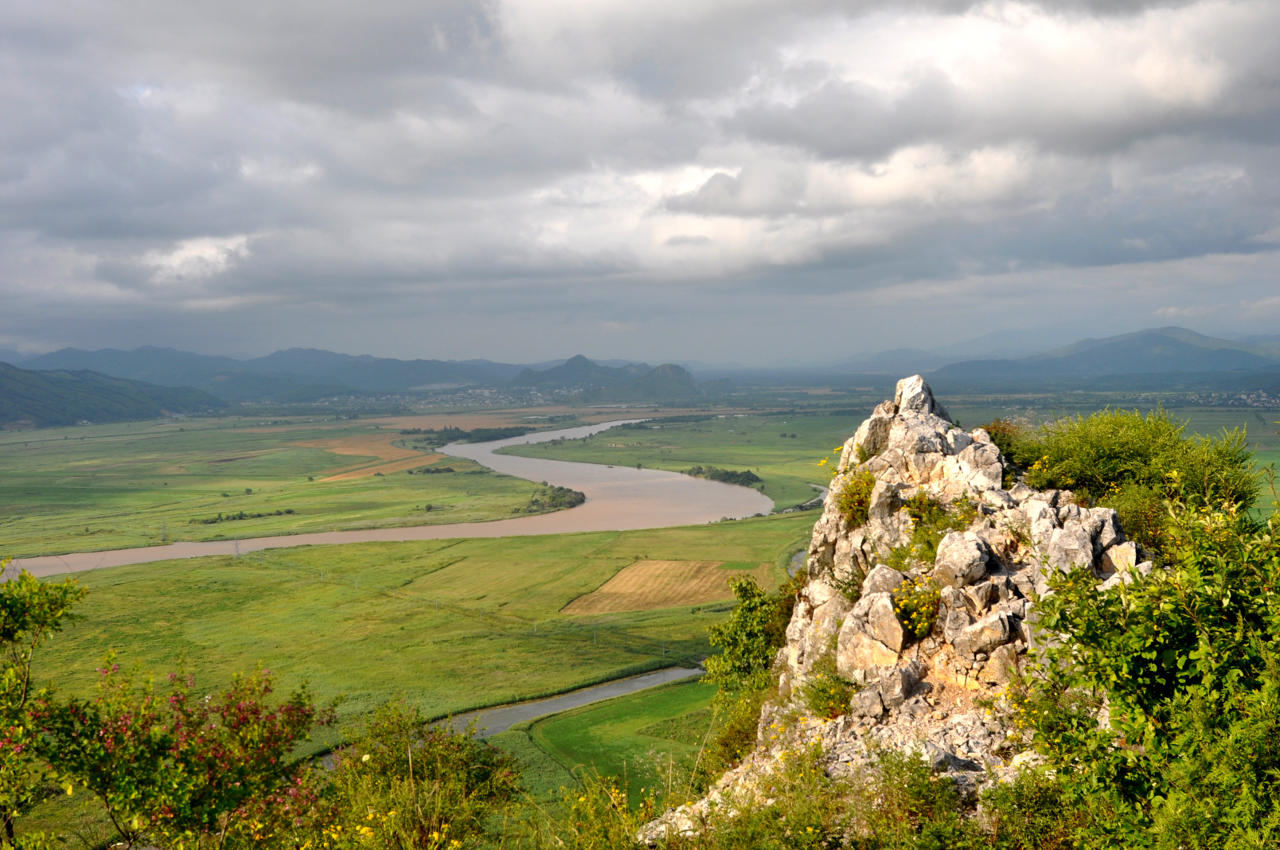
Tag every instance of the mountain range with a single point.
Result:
(49, 385)
(112, 384)
(61, 397)
(1163, 352)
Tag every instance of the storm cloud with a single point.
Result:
(757, 181)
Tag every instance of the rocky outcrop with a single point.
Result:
(992, 554)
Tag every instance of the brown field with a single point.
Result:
(662, 584)
(387, 468)
(387, 457)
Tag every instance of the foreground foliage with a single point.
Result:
(30, 610)
(1132, 462)
(1184, 668)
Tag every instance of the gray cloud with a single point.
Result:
(361, 177)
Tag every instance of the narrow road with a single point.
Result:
(500, 718)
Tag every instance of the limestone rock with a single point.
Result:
(859, 655)
(986, 574)
(883, 625)
(962, 558)
(1122, 557)
(1001, 666)
(913, 397)
(866, 703)
(1070, 547)
(882, 579)
(984, 635)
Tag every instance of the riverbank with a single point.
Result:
(618, 499)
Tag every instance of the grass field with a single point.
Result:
(373, 621)
(783, 449)
(138, 484)
(648, 741)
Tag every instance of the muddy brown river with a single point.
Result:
(619, 498)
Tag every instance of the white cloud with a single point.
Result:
(195, 260)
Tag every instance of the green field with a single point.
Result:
(783, 448)
(143, 483)
(648, 741)
(449, 625)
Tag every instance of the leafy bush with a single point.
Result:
(749, 641)
(930, 522)
(1187, 664)
(853, 499)
(916, 604)
(826, 693)
(407, 783)
(30, 611)
(177, 768)
(552, 497)
(752, 635)
(1127, 459)
(744, 477)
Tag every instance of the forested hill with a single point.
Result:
(67, 397)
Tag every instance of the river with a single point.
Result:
(619, 498)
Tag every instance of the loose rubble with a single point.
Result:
(926, 695)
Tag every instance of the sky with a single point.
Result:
(750, 182)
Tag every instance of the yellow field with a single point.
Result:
(646, 585)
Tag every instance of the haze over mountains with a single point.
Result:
(46, 388)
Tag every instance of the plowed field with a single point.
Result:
(645, 585)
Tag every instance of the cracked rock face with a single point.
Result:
(924, 695)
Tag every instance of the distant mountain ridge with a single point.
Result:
(61, 397)
(1152, 352)
(307, 374)
(295, 374)
(594, 382)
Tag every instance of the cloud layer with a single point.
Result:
(747, 181)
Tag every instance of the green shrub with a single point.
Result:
(930, 522)
(826, 693)
(1132, 461)
(1030, 813)
(853, 499)
(407, 783)
(752, 635)
(916, 604)
(1188, 663)
(749, 640)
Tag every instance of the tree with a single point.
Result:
(180, 769)
(30, 611)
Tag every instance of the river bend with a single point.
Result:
(619, 498)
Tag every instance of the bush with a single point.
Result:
(1127, 460)
(749, 641)
(853, 499)
(826, 693)
(179, 769)
(407, 783)
(30, 611)
(1187, 663)
(915, 602)
(930, 522)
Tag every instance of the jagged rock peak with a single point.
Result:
(924, 594)
(913, 397)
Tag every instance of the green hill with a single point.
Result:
(66, 397)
